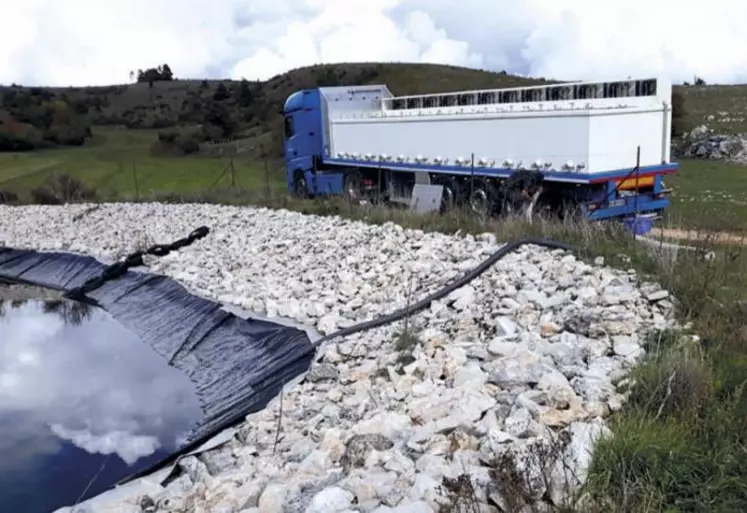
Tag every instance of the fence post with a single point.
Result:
(472, 177)
(268, 193)
(637, 178)
(134, 179)
(378, 184)
(233, 174)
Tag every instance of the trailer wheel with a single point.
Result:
(482, 198)
(452, 193)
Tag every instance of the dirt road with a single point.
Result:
(693, 235)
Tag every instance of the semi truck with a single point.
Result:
(596, 149)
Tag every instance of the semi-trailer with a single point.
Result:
(598, 149)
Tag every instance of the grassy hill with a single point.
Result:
(203, 110)
(267, 97)
(722, 107)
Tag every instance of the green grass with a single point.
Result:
(681, 442)
(709, 195)
(119, 164)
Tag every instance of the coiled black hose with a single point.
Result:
(446, 290)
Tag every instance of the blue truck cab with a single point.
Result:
(303, 144)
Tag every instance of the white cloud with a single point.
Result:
(94, 385)
(127, 446)
(88, 42)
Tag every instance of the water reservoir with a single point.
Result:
(83, 403)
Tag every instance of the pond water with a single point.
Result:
(83, 403)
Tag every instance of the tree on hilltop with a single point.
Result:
(162, 73)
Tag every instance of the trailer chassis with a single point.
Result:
(636, 197)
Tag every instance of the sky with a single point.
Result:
(90, 42)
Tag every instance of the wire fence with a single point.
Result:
(249, 170)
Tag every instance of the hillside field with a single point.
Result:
(120, 164)
(123, 159)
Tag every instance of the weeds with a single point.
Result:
(681, 440)
(8, 197)
(405, 342)
(460, 495)
(407, 339)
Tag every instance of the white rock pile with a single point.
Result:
(703, 143)
(492, 395)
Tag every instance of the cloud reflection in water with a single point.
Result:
(71, 374)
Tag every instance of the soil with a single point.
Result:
(694, 235)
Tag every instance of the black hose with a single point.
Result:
(424, 303)
(444, 291)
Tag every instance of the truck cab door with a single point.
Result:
(291, 139)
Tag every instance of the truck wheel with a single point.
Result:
(353, 186)
(300, 187)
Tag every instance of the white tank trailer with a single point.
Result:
(598, 148)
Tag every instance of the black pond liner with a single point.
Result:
(237, 365)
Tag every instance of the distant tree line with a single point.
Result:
(698, 81)
(37, 118)
(186, 112)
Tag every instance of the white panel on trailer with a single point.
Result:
(559, 138)
(616, 137)
(586, 127)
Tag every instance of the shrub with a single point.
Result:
(679, 112)
(188, 144)
(175, 143)
(62, 188)
(167, 136)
